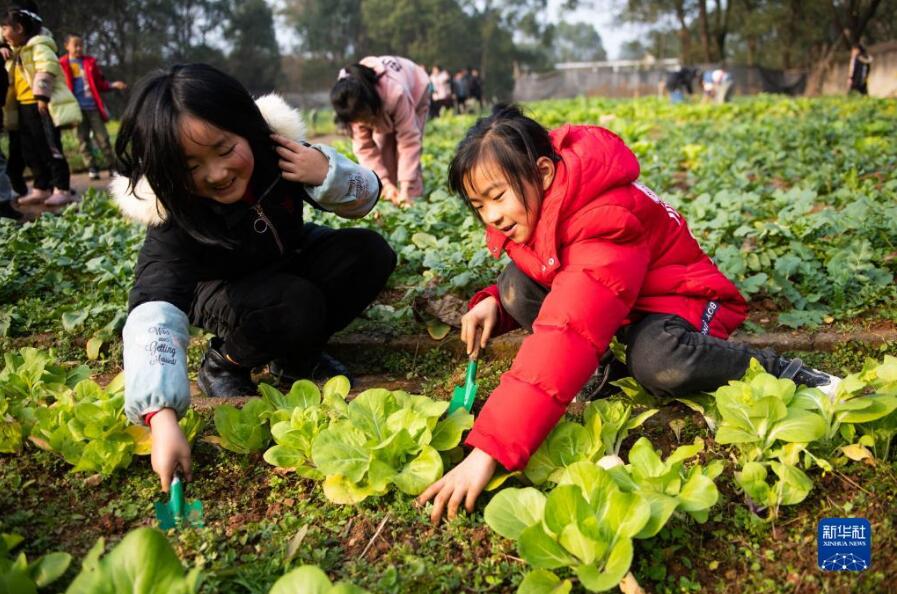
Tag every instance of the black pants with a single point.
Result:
(664, 353)
(36, 133)
(290, 310)
(15, 167)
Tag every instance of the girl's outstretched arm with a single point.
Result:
(155, 361)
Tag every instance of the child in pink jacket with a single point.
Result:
(384, 102)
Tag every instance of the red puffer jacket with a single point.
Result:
(609, 251)
(93, 77)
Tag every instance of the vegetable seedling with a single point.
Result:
(463, 396)
(177, 512)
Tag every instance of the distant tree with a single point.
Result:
(654, 12)
(576, 42)
(254, 57)
(131, 37)
(807, 34)
(632, 50)
(328, 29)
(427, 31)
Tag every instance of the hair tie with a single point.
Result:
(30, 14)
(343, 73)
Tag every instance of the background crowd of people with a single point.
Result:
(44, 94)
(460, 92)
(717, 83)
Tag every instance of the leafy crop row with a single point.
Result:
(791, 197)
(776, 425)
(578, 505)
(143, 562)
(65, 412)
(358, 449)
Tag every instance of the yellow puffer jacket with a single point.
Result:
(42, 72)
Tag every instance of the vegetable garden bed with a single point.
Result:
(793, 198)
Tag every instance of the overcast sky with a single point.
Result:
(598, 12)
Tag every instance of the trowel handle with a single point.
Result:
(177, 497)
(471, 372)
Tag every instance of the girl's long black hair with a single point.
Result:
(148, 143)
(513, 141)
(354, 96)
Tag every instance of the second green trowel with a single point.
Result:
(463, 396)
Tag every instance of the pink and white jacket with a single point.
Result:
(403, 87)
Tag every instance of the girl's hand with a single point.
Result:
(43, 107)
(301, 164)
(464, 483)
(119, 85)
(170, 448)
(478, 323)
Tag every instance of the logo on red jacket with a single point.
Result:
(671, 212)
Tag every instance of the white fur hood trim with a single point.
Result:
(142, 206)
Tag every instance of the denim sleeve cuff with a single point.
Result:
(155, 360)
(349, 190)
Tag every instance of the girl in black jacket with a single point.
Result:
(221, 181)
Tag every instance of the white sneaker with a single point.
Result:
(795, 370)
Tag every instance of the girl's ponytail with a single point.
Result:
(355, 96)
(512, 141)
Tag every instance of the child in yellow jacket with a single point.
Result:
(38, 104)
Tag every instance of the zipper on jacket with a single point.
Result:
(263, 223)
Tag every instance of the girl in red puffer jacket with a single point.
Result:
(595, 254)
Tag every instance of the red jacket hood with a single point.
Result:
(593, 161)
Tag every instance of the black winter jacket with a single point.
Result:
(171, 262)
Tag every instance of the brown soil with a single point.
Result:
(869, 332)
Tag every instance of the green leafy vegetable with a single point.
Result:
(309, 579)
(386, 438)
(586, 524)
(18, 576)
(142, 563)
(606, 423)
(245, 430)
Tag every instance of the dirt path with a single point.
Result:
(349, 346)
(327, 138)
(80, 182)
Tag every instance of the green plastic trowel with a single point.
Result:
(177, 512)
(463, 396)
